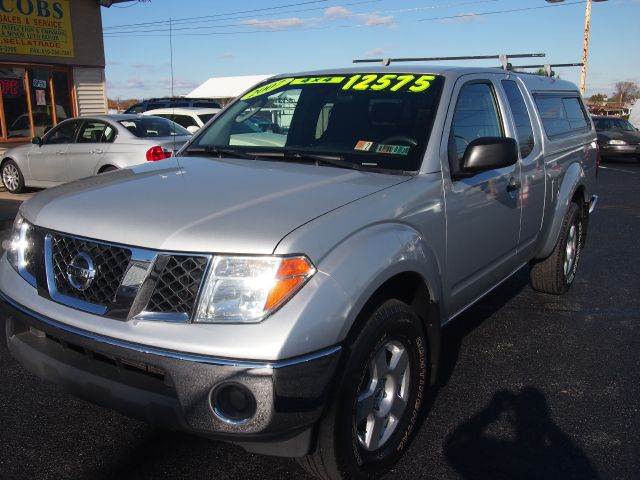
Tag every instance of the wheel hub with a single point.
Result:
(383, 397)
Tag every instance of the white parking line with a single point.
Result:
(619, 169)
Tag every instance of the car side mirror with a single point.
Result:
(192, 129)
(36, 141)
(489, 153)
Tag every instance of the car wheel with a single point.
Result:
(556, 273)
(380, 400)
(12, 177)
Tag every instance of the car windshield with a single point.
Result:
(205, 117)
(623, 125)
(368, 120)
(613, 124)
(146, 127)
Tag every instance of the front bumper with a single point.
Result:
(173, 389)
(619, 150)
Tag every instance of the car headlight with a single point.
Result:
(617, 142)
(18, 244)
(247, 289)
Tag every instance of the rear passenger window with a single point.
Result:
(560, 114)
(524, 130)
(476, 116)
(575, 114)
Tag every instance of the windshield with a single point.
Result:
(146, 127)
(366, 120)
(613, 124)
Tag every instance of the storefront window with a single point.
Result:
(61, 93)
(14, 100)
(40, 100)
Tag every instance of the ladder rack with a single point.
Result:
(504, 59)
(548, 67)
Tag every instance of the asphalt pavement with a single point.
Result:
(532, 387)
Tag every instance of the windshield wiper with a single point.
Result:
(332, 160)
(220, 152)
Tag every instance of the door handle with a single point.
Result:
(513, 185)
(97, 150)
(60, 152)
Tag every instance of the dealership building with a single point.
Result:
(51, 64)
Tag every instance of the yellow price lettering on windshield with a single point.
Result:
(316, 80)
(421, 84)
(269, 87)
(388, 81)
(359, 82)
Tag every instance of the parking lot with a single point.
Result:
(532, 386)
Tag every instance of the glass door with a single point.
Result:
(15, 108)
(41, 100)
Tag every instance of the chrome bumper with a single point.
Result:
(176, 389)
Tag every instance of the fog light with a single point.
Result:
(233, 403)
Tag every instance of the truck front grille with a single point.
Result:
(177, 287)
(171, 289)
(110, 262)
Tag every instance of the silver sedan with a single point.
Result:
(85, 146)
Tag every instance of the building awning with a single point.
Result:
(226, 87)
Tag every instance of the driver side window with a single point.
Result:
(63, 133)
(476, 115)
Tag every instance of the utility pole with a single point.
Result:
(585, 48)
(585, 42)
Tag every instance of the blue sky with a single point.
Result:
(239, 37)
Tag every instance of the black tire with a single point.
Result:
(11, 170)
(338, 451)
(107, 168)
(550, 275)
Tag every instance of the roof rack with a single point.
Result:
(504, 59)
(548, 67)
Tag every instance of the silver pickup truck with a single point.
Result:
(283, 281)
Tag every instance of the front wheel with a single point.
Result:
(12, 177)
(377, 409)
(556, 273)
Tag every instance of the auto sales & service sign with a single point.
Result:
(36, 27)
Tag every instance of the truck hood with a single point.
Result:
(201, 204)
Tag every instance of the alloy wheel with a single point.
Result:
(383, 396)
(571, 252)
(10, 177)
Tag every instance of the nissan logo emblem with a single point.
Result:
(81, 271)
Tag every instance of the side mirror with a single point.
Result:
(36, 141)
(193, 129)
(489, 153)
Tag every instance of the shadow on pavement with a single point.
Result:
(454, 333)
(536, 448)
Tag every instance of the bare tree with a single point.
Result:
(626, 92)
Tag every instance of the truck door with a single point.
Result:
(483, 211)
(531, 162)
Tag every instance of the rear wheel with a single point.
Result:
(12, 177)
(556, 273)
(376, 411)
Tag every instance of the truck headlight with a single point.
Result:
(18, 244)
(247, 289)
(617, 142)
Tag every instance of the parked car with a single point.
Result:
(290, 298)
(80, 147)
(192, 118)
(617, 137)
(172, 102)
